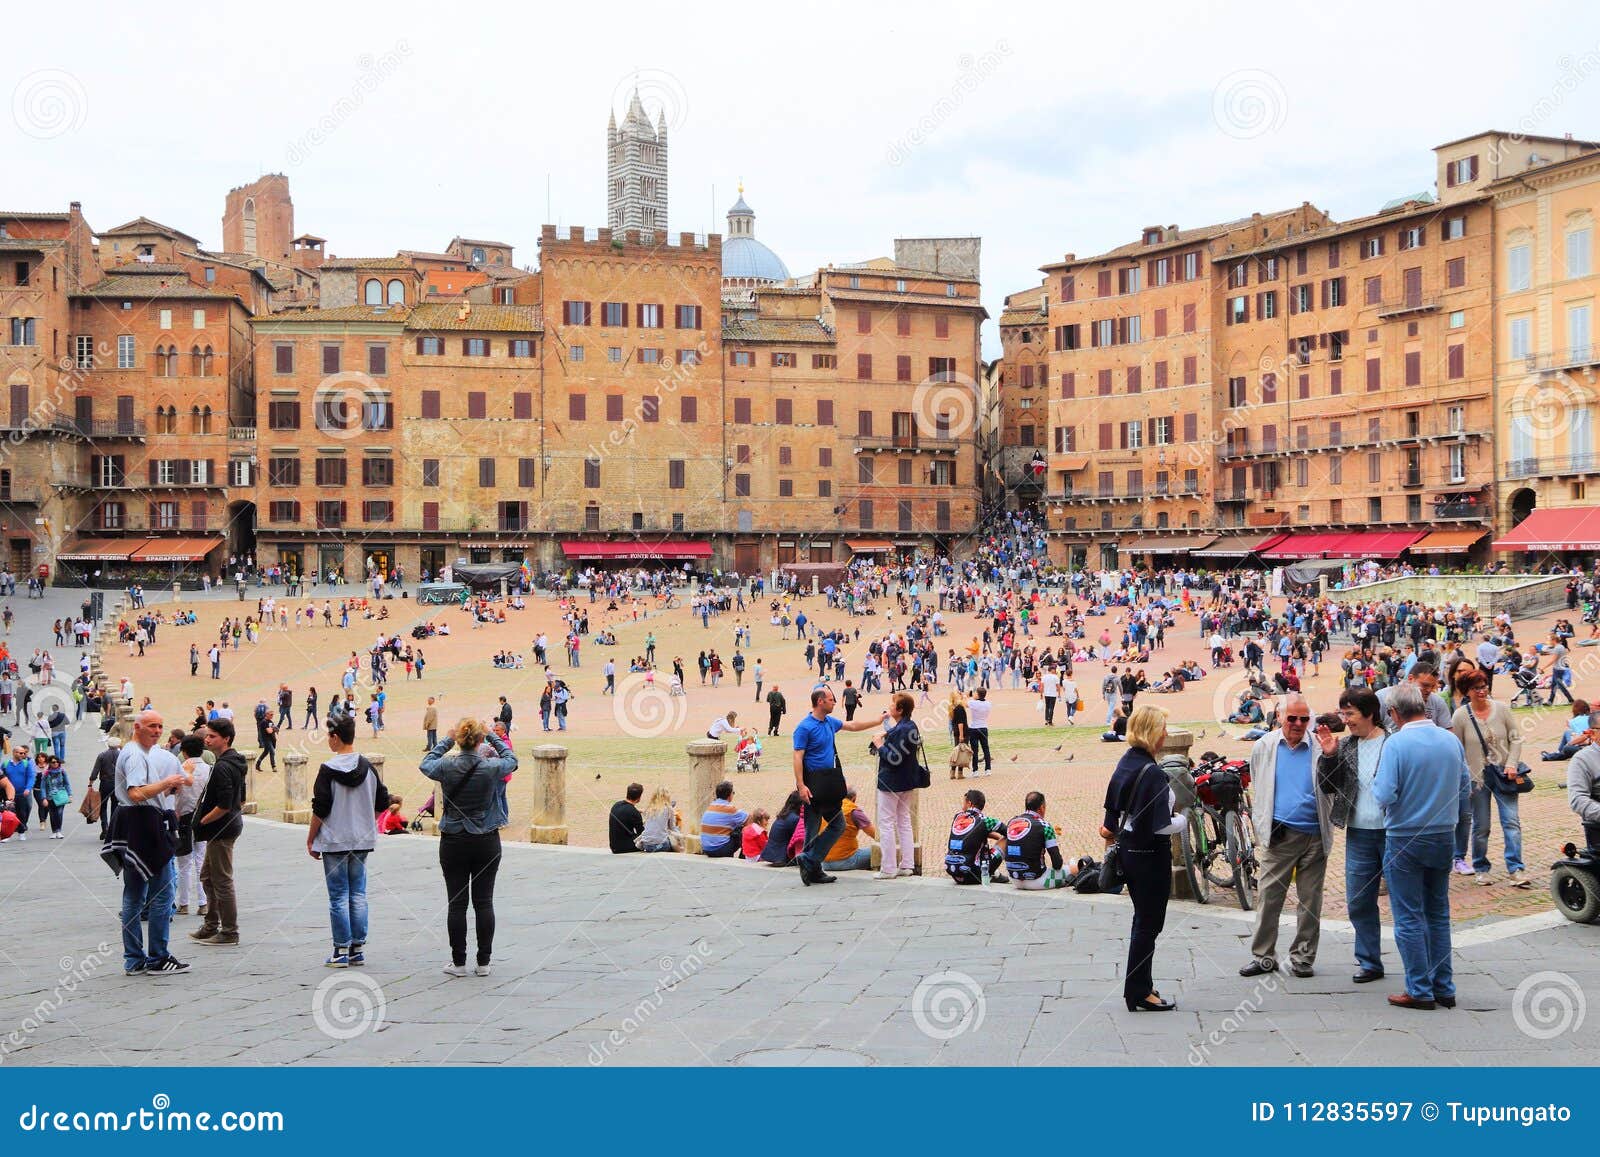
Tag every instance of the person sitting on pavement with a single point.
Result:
(1029, 839)
(662, 832)
(846, 855)
(753, 839)
(785, 833)
(626, 823)
(1575, 737)
(720, 826)
(974, 835)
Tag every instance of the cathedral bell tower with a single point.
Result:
(636, 170)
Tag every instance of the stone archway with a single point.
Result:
(1521, 504)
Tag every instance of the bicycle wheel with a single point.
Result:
(1242, 855)
(1191, 838)
(1214, 859)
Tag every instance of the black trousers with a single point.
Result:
(979, 737)
(470, 865)
(1149, 885)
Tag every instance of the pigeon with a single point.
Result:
(1013, 759)
(1201, 734)
(1059, 746)
(1070, 756)
(597, 775)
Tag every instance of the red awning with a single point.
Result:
(1373, 544)
(583, 549)
(175, 549)
(99, 550)
(1298, 546)
(1572, 528)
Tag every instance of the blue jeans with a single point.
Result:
(146, 900)
(58, 745)
(858, 861)
(1417, 867)
(1363, 868)
(346, 876)
(1510, 828)
(1463, 834)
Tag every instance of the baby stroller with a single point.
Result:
(1225, 659)
(747, 756)
(1527, 681)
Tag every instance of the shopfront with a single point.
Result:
(621, 555)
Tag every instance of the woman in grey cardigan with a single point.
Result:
(1489, 734)
(472, 810)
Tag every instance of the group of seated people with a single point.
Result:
(728, 831)
(1173, 681)
(606, 638)
(1023, 851)
(508, 660)
(483, 611)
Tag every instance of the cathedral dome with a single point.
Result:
(745, 257)
(746, 261)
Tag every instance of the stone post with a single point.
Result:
(549, 824)
(708, 762)
(1178, 744)
(296, 791)
(249, 754)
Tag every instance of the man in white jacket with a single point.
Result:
(1293, 832)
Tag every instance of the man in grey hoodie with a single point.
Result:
(346, 800)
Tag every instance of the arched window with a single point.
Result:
(250, 225)
(397, 292)
(194, 420)
(204, 422)
(161, 362)
(374, 291)
(205, 362)
(196, 365)
(172, 361)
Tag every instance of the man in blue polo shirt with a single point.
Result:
(819, 778)
(1294, 830)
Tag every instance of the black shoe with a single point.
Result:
(1445, 1001)
(1303, 973)
(1152, 1006)
(1259, 968)
(171, 966)
(823, 878)
(1366, 976)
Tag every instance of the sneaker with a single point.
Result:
(171, 966)
(136, 970)
(200, 911)
(202, 934)
(357, 957)
(1519, 879)
(1462, 867)
(906, 872)
(455, 970)
(183, 909)
(482, 969)
(222, 939)
(1483, 880)
(887, 875)
(23, 836)
(339, 959)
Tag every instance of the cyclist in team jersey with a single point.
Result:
(1029, 838)
(970, 834)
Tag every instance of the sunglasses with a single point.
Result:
(1297, 719)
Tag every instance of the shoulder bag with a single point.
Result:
(1495, 775)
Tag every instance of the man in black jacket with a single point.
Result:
(505, 713)
(626, 822)
(104, 778)
(777, 708)
(219, 824)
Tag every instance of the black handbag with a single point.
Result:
(1111, 873)
(1500, 781)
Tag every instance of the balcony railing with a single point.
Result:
(1461, 511)
(1391, 434)
(1572, 357)
(1552, 465)
(906, 441)
(1136, 494)
(1408, 305)
(241, 433)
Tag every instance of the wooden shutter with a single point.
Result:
(1457, 361)
(522, 405)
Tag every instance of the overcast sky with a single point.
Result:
(1042, 128)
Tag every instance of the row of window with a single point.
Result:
(1580, 335)
(615, 315)
(113, 515)
(1579, 254)
(902, 323)
(378, 353)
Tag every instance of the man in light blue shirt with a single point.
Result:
(1293, 832)
(1422, 785)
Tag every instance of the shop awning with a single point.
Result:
(1241, 546)
(1071, 463)
(175, 549)
(1447, 541)
(100, 550)
(1297, 546)
(1374, 544)
(1572, 528)
(869, 545)
(584, 549)
(1166, 545)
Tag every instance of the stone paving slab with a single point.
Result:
(671, 961)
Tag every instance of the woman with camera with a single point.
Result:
(472, 793)
(1493, 745)
(1142, 816)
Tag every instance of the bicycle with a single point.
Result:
(668, 602)
(1218, 843)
